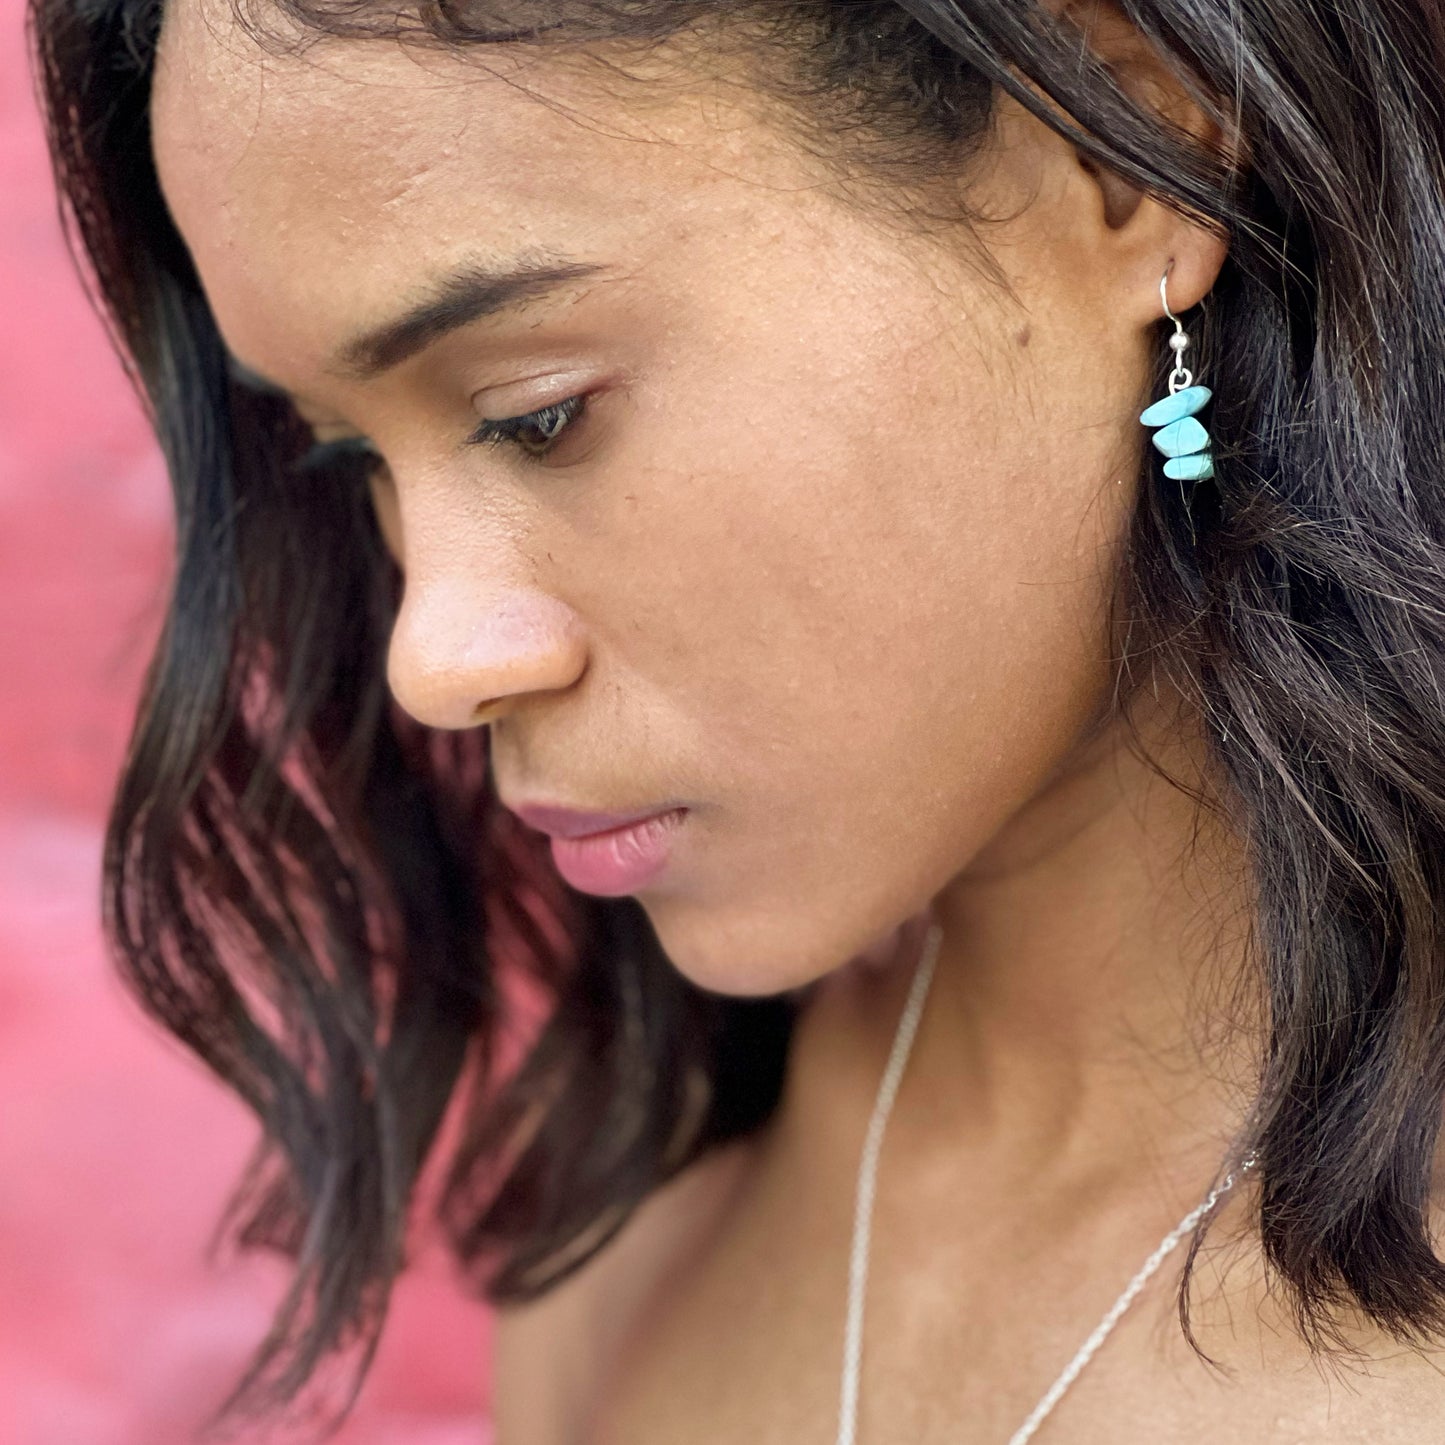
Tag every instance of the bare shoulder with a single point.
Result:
(1366, 1389)
(1396, 1398)
(551, 1355)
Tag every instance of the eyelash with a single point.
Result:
(552, 420)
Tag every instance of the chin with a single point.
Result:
(754, 956)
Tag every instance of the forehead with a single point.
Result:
(311, 182)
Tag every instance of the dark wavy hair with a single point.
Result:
(327, 904)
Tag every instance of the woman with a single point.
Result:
(743, 566)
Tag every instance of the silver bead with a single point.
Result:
(1179, 340)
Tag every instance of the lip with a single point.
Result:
(559, 822)
(608, 854)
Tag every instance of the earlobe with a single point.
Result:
(1146, 235)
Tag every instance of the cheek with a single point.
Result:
(897, 610)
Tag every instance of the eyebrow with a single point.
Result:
(470, 292)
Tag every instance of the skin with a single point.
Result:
(826, 559)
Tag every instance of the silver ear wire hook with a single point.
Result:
(1181, 375)
(1164, 292)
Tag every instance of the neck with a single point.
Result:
(1089, 958)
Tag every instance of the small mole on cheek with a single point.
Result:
(1025, 334)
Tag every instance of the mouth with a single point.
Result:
(607, 854)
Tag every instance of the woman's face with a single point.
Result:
(825, 556)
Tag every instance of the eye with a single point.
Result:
(535, 433)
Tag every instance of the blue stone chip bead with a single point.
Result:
(1181, 437)
(1192, 468)
(1185, 402)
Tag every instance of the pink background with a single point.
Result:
(116, 1150)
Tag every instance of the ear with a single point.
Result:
(1146, 232)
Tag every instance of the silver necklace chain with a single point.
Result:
(863, 1222)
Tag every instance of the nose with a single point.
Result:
(463, 653)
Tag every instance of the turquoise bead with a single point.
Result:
(1192, 468)
(1181, 437)
(1185, 402)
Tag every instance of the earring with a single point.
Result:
(1181, 436)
